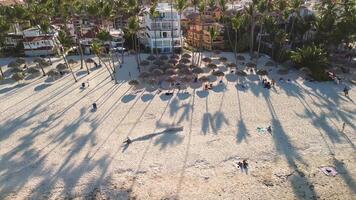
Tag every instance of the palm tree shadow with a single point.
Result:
(242, 132)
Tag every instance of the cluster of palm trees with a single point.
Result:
(278, 23)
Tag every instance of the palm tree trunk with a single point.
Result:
(180, 33)
(235, 49)
(172, 43)
(259, 42)
(252, 35)
(1, 72)
(106, 66)
(71, 70)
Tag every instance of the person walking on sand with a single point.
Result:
(346, 91)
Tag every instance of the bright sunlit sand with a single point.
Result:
(53, 145)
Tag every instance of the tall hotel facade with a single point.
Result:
(157, 32)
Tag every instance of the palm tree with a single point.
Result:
(252, 14)
(97, 49)
(4, 27)
(295, 6)
(201, 8)
(236, 23)
(180, 6)
(154, 15)
(133, 27)
(66, 45)
(213, 33)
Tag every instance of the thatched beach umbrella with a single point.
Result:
(53, 73)
(223, 59)
(240, 73)
(203, 79)
(61, 66)
(186, 79)
(184, 61)
(167, 66)
(218, 73)
(21, 61)
(45, 64)
(197, 70)
(212, 66)
(144, 75)
(174, 56)
(163, 57)
(186, 55)
(151, 57)
(251, 65)
(181, 65)
(269, 63)
(134, 82)
(206, 60)
(231, 65)
(145, 63)
(33, 70)
(171, 71)
(283, 71)
(157, 72)
(305, 70)
(152, 81)
(16, 70)
(158, 62)
(13, 64)
(184, 71)
(262, 72)
(173, 61)
(239, 57)
(72, 61)
(171, 79)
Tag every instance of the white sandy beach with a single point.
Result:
(52, 146)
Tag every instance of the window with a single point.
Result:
(165, 34)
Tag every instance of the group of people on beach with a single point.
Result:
(268, 84)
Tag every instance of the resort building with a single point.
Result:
(157, 32)
(37, 43)
(198, 35)
(12, 40)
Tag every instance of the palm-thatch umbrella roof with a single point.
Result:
(192, 66)
(16, 70)
(206, 60)
(262, 72)
(33, 70)
(239, 57)
(38, 60)
(144, 75)
(218, 73)
(184, 71)
(186, 79)
(134, 82)
(251, 65)
(223, 59)
(305, 70)
(89, 60)
(18, 76)
(231, 65)
(13, 64)
(167, 65)
(157, 72)
(197, 70)
(61, 66)
(212, 66)
(72, 61)
(171, 79)
(152, 81)
(173, 61)
(171, 71)
(53, 73)
(174, 56)
(186, 55)
(151, 57)
(203, 79)
(283, 71)
(21, 61)
(163, 57)
(184, 61)
(145, 63)
(240, 73)
(158, 62)
(181, 65)
(269, 63)
(45, 64)
(217, 52)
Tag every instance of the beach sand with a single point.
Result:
(53, 146)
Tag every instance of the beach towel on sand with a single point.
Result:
(329, 171)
